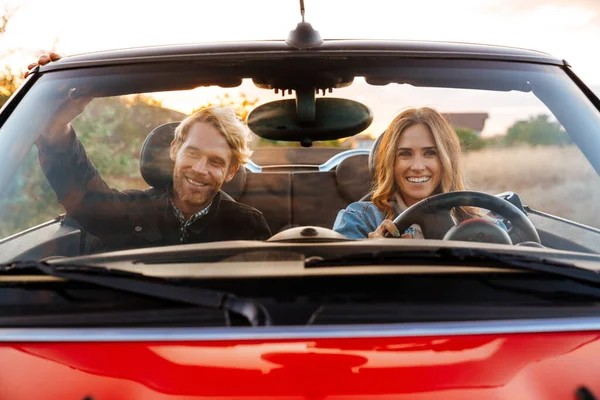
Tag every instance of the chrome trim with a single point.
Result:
(562, 220)
(252, 167)
(7, 239)
(338, 158)
(299, 332)
(326, 166)
(290, 166)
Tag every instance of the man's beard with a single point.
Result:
(195, 199)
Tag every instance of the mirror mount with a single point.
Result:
(306, 106)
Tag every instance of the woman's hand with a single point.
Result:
(387, 226)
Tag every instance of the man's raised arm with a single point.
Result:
(64, 162)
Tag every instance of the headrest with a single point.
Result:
(373, 154)
(156, 165)
(353, 177)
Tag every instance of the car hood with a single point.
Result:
(491, 366)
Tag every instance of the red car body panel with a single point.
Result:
(503, 366)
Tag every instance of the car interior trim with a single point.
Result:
(338, 158)
(252, 167)
(563, 220)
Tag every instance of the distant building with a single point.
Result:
(362, 141)
(472, 121)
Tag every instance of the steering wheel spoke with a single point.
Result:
(437, 223)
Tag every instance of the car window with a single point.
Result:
(28, 200)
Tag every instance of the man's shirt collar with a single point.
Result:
(185, 224)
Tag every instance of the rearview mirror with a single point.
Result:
(331, 119)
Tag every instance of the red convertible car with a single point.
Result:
(308, 313)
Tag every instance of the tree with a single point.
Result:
(469, 140)
(242, 105)
(6, 17)
(538, 130)
(9, 80)
(113, 129)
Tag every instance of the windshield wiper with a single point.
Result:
(132, 282)
(462, 257)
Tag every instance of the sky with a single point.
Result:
(567, 29)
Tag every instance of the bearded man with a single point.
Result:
(208, 148)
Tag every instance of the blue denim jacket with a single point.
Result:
(358, 219)
(362, 217)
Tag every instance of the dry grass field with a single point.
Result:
(556, 180)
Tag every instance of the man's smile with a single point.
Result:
(195, 183)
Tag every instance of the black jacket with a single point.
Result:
(138, 218)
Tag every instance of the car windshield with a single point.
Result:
(120, 180)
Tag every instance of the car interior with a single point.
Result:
(294, 187)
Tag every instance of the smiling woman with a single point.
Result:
(417, 168)
(419, 156)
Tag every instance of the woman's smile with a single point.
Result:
(418, 179)
(418, 169)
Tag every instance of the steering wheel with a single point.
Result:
(432, 214)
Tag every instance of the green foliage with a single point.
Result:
(495, 142)
(5, 18)
(9, 79)
(469, 139)
(9, 82)
(28, 200)
(113, 130)
(537, 130)
(242, 105)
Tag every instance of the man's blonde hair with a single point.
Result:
(225, 120)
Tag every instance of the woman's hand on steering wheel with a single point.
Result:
(388, 226)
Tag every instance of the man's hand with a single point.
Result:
(43, 60)
(71, 104)
(387, 226)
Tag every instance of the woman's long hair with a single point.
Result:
(448, 147)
